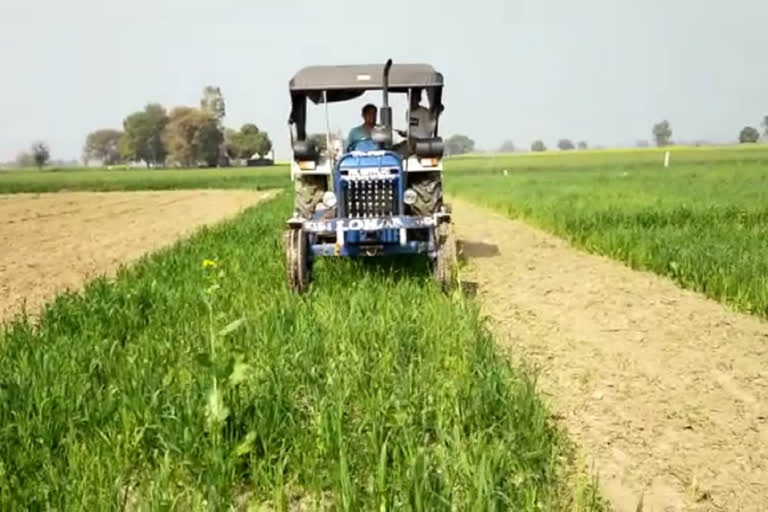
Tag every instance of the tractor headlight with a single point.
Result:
(307, 165)
(429, 162)
(409, 196)
(329, 199)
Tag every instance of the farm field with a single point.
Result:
(196, 379)
(99, 179)
(702, 222)
(54, 242)
(318, 276)
(660, 386)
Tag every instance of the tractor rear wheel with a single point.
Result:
(429, 192)
(445, 266)
(298, 264)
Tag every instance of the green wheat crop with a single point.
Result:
(142, 179)
(702, 222)
(196, 380)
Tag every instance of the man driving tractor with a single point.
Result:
(363, 131)
(420, 119)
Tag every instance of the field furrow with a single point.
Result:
(55, 242)
(664, 389)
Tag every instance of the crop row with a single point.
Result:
(196, 379)
(705, 225)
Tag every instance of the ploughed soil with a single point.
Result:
(665, 391)
(53, 242)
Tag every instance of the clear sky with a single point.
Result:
(597, 70)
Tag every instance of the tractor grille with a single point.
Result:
(370, 197)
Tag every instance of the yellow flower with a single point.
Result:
(208, 263)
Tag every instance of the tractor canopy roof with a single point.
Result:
(347, 82)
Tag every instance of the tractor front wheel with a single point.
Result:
(309, 192)
(298, 264)
(445, 267)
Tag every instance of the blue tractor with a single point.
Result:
(372, 198)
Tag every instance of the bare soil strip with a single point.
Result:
(664, 390)
(53, 242)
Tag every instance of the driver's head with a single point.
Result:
(415, 97)
(369, 115)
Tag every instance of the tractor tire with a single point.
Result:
(445, 265)
(297, 260)
(429, 192)
(309, 192)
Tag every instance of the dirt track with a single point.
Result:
(51, 242)
(665, 391)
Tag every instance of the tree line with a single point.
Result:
(661, 131)
(191, 136)
(184, 136)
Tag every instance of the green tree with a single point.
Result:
(459, 145)
(565, 144)
(143, 135)
(507, 147)
(249, 140)
(213, 102)
(103, 145)
(538, 145)
(245, 141)
(209, 139)
(749, 135)
(231, 143)
(765, 126)
(192, 136)
(249, 129)
(40, 153)
(263, 145)
(582, 145)
(662, 133)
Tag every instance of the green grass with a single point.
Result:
(180, 386)
(703, 222)
(142, 179)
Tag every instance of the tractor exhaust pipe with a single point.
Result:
(382, 133)
(386, 110)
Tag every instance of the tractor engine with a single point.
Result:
(366, 191)
(369, 186)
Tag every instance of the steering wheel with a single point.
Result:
(366, 144)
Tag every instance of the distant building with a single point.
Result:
(258, 160)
